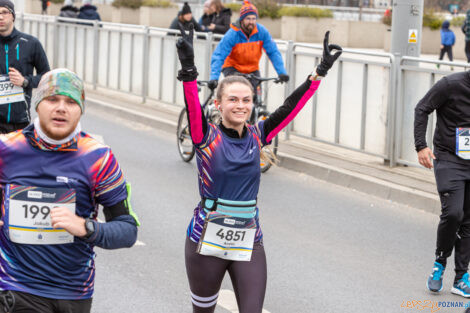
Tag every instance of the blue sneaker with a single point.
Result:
(435, 279)
(462, 287)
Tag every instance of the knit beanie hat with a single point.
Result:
(247, 9)
(68, 2)
(9, 5)
(185, 10)
(60, 81)
(84, 2)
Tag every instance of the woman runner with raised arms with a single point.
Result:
(224, 233)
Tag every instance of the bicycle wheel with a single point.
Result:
(183, 138)
(269, 151)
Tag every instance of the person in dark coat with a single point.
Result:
(466, 31)
(68, 10)
(89, 11)
(185, 18)
(20, 55)
(206, 18)
(220, 23)
(44, 4)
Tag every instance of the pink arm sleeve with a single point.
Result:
(303, 100)
(196, 119)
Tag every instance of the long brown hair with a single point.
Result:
(218, 5)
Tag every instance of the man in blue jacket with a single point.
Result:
(53, 177)
(242, 46)
(20, 54)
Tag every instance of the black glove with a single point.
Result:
(328, 59)
(284, 78)
(212, 84)
(184, 47)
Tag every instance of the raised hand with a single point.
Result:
(328, 59)
(184, 46)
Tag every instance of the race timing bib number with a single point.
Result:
(463, 143)
(227, 237)
(27, 214)
(10, 93)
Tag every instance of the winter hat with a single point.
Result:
(84, 2)
(68, 2)
(247, 9)
(9, 5)
(185, 10)
(60, 81)
(445, 24)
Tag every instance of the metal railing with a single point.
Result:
(365, 104)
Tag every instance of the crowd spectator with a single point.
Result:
(68, 10)
(88, 11)
(221, 16)
(185, 18)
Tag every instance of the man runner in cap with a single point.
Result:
(53, 176)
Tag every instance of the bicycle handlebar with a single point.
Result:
(205, 83)
(263, 79)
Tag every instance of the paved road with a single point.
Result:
(329, 249)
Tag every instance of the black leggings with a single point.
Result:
(453, 185)
(467, 50)
(447, 49)
(205, 275)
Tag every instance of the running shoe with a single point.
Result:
(462, 287)
(435, 279)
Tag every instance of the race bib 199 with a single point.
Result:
(27, 214)
(10, 93)
(228, 237)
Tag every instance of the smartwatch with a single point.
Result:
(89, 227)
(25, 83)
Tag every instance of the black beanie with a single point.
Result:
(185, 10)
(9, 5)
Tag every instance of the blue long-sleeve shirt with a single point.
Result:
(36, 176)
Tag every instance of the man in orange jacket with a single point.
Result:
(241, 48)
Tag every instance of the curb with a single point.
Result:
(363, 183)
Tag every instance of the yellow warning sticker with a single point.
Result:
(412, 36)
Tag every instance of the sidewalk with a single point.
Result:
(406, 185)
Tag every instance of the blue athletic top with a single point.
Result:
(228, 167)
(82, 166)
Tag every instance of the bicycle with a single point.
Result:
(183, 138)
(185, 146)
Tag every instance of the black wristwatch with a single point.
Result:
(90, 228)
(25, 83)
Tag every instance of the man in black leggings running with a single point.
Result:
(449, 97)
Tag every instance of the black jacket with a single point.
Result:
(222, 21)
(205, 21)
(174, 24)
(449, 97)
(69, 11)
(89, 12)
(24, 53)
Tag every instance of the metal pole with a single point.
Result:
(145, 64)
(96, 51)
(407, 25)
(290, 72)
(56, 43)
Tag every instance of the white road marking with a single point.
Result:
(228, 301)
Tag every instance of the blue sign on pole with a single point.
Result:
(454, 8)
